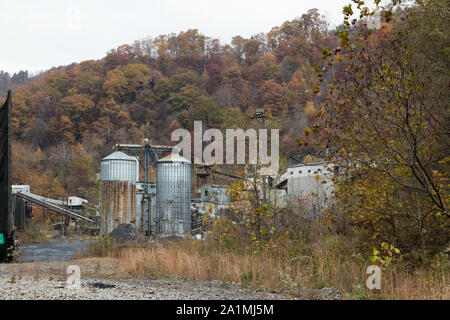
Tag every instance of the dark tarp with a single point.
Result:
(6, 220)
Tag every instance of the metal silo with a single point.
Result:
(118, 174)
(173, 195)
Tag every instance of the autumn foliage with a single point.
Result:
(73, 115)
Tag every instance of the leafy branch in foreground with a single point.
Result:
(385, 121)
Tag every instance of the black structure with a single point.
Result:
(22, 212)
(6, 214)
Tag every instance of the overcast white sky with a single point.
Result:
(38, 35)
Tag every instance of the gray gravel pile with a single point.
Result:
(127, 233)
(134, 289)
(330, 294)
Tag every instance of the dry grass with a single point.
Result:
(36, 233)
(57, 270)
(279, 270)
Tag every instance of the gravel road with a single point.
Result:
(37, 277)
(51, 251)
(41, 275)
(130, 289)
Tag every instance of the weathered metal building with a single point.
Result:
(213, 196)
(309, 187)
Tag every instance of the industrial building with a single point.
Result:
(20, 188)
(162, 208)
(308, 187)
(76, 203)
(213, 198)
(166, 206)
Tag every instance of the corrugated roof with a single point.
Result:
(216, 185)
(174, 158)
(316, 163)
(118, 155)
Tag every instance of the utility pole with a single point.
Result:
(260, 115)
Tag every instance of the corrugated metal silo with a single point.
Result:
(118, 174)
(173, 195)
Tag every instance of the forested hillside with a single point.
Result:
(68, 119)
(11, 82)
(370, 98)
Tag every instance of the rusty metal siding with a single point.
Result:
(117, 204)
(117, 191)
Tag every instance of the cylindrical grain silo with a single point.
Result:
(173, 195)
(118, 174)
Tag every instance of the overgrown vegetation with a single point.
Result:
(37, 232)
(103, 246)
(385, 122)
(310, 261)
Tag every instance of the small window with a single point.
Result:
(292, 172)
(206, 193)
(300, 171)
(319, 170)
(309, 171)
